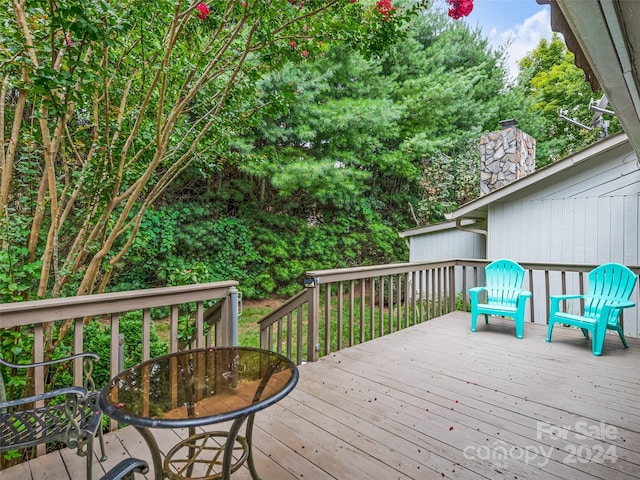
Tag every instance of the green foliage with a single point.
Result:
(98, 340)
(140, 269)
(18, 273)
(267, 253)
(448, 78)
(16, 344)
(551, 81)
(449, 181)
(17, 348)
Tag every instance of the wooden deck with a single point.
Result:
(436, 401)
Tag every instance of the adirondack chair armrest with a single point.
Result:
(607, 300)
(565, 297)
(554, 300)
(475, 292)
(615, 305)
(625, 305)
(608, 305)
(477, 289)
(521, 298)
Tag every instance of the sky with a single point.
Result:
(524, 22)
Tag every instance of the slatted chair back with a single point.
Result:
(504, 280)
(611, 282)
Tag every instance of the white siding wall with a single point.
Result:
(590, 216)
(445, 244)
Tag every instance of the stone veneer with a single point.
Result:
(505, 156)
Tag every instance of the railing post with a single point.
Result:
(233, 299)
(223, 326)
(38, 380)
(452, 288)
(121, 352)
(114, 349)
(313, 345)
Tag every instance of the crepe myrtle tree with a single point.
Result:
(103, 104)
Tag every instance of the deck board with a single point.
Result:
(435, 401)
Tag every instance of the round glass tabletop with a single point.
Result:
(198, 387)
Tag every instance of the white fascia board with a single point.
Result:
(436, 227)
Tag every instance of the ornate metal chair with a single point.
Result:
(74, 419)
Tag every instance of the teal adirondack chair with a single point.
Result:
(610, 287)
(504, 294)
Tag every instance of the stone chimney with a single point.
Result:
(505, 156)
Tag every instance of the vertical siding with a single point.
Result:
(579, 230)
(573, 230)
(591, 236)
(602, 230)
(632, 224)
(444, 244)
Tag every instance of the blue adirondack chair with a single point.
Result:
(504, 294)
(610, 287)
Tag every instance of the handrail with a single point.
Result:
(294, 302)
(51, 309)
(354, 273)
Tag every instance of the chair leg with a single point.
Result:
(486, 319)
(618, 329)
(550, 330)
(474, 317)
(101, 438)
(519, 328)
(585, 332)
(598, 340)
(89, 457)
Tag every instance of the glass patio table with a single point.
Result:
(194, 389)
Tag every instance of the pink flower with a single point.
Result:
(292, 43)
(244, 4)
(304, 53)
(460, 8)
(203, 10)
(385, 8)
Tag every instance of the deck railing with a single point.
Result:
(344, 307)
(209, 309)
(336, 309)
